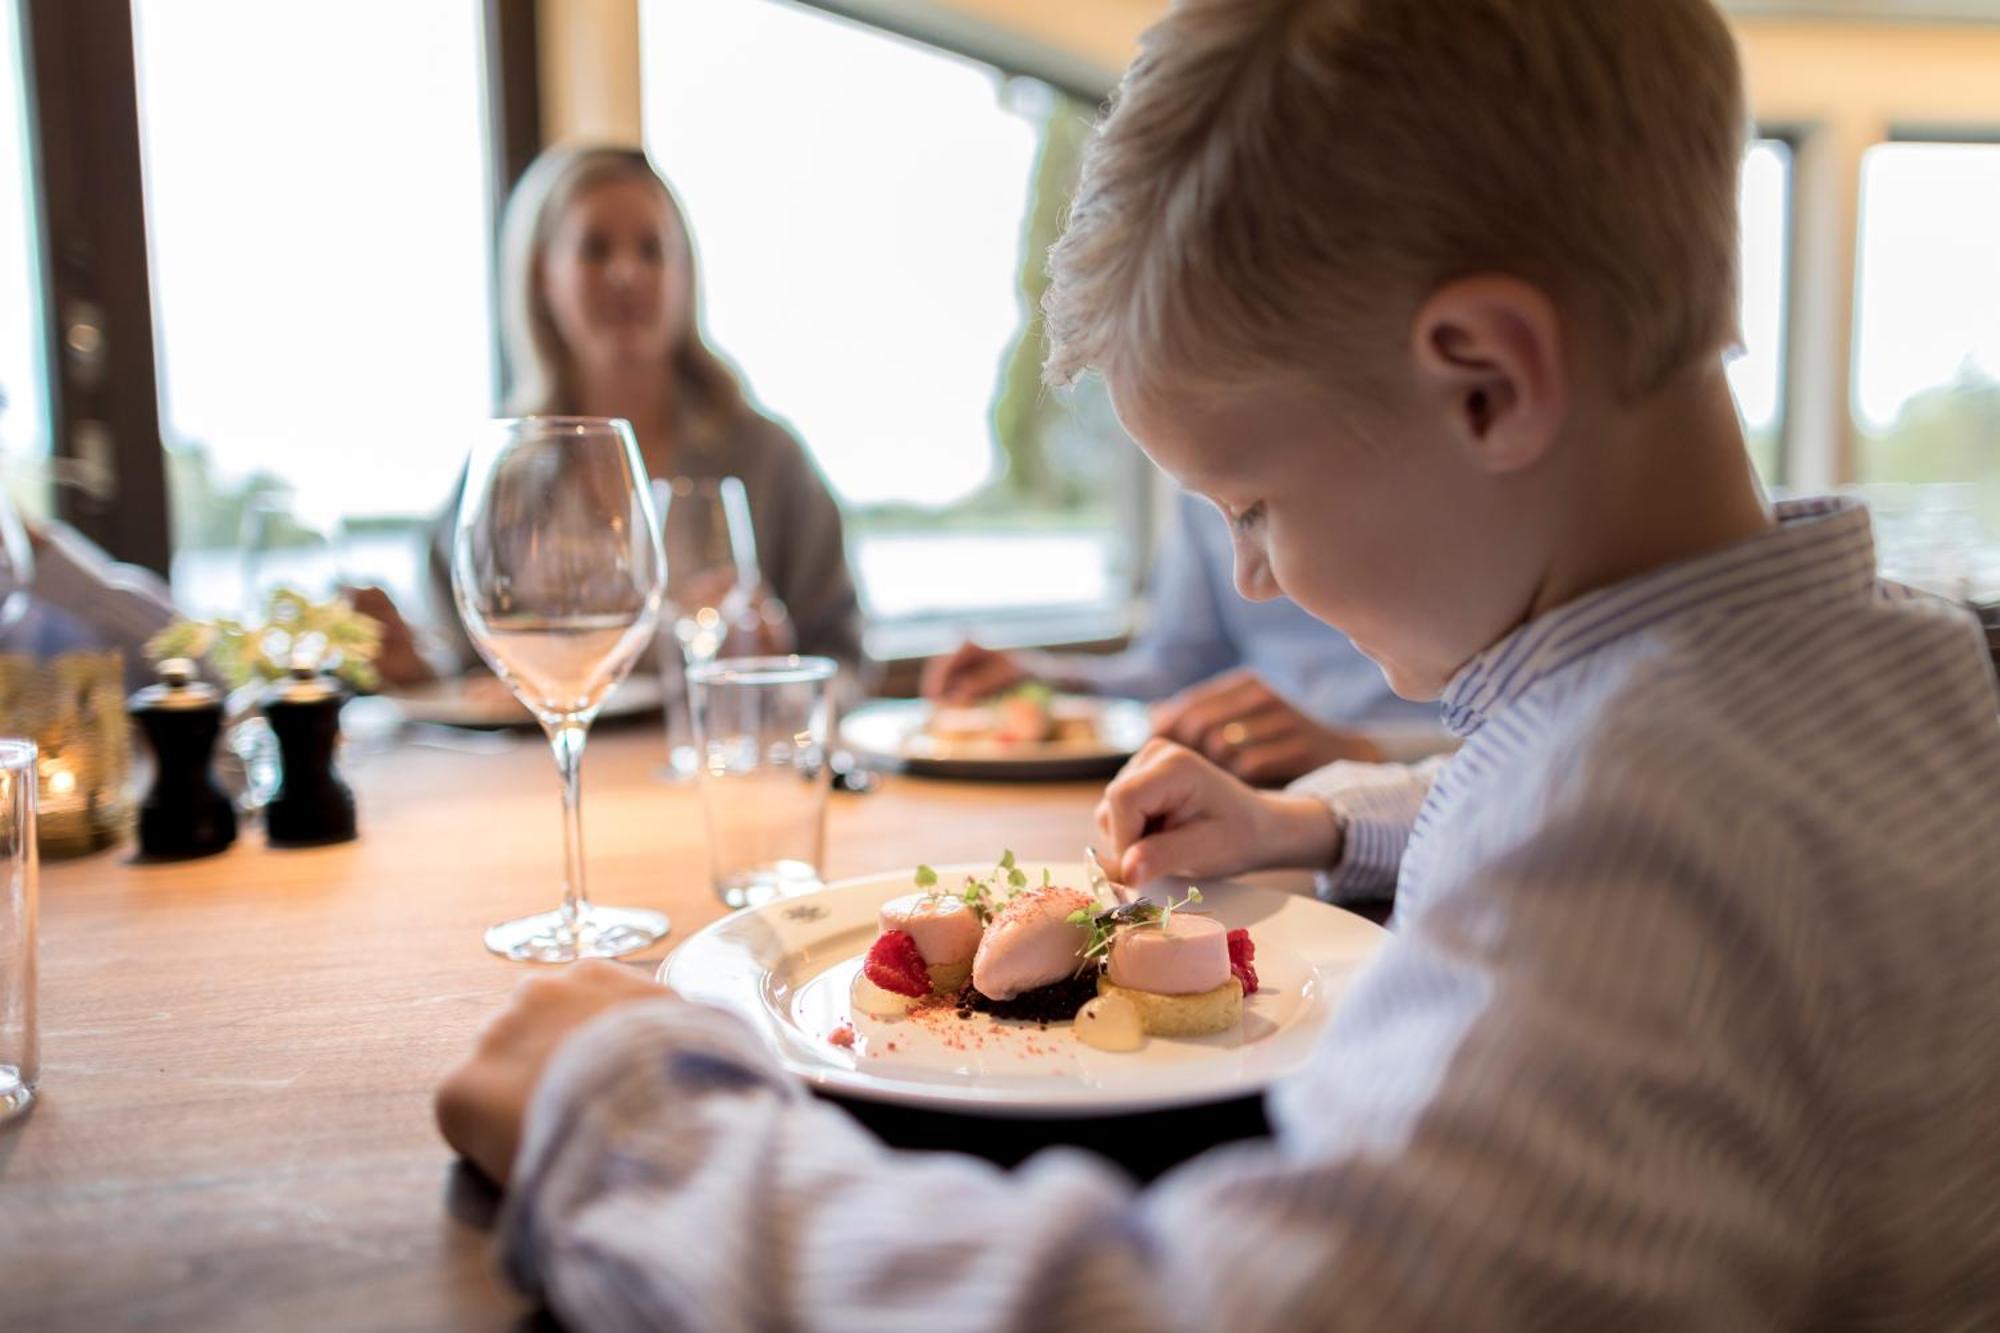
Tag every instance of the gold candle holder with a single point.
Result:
(73, 708)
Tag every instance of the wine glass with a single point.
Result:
(558, 572)
(711, 587)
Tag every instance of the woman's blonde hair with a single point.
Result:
(1279, 183)
(543, 374)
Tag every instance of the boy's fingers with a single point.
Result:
(1189, 852)
(1152, 786)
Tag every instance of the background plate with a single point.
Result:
(889, 733)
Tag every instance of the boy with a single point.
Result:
(1690, 1018)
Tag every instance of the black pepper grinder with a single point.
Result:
(312, 804)
(186, 814)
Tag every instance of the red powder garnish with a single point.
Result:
(1241, 954)
(895, 965)
(842, 1035)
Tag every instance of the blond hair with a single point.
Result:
(542, 370)
(1279, 183)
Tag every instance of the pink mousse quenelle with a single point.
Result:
(1032, 943)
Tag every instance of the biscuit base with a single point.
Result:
(1196, 1015)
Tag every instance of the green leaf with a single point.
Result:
(926, 877)
(1048, 878)
(1006, 860)
(1017, 879)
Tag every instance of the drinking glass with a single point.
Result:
(761, 726)
(558, 572)
(712, 581)
(18, 869)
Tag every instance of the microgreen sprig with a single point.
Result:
(979, 892)
(1106, 923)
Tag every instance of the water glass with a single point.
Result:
(18, 871)
(761, 727)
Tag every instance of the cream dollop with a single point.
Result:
(1110, 1023)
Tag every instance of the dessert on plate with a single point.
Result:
(1054, 954)
(1029, 714)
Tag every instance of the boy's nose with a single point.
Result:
(1253, 576)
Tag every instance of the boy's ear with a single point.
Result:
(1488, 353)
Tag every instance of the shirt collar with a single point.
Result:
(1820, 550)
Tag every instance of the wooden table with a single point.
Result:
(234, 1129)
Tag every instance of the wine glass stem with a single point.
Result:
(566, 739)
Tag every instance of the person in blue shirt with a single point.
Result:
(1261, 688)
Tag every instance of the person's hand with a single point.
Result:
(481, 1103)
(1171, 812)
(970, 673)
(1248, 728)
(398, 662)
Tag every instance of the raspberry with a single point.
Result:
(1241, 954)
(895, 965)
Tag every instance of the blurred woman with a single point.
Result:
(600, 316)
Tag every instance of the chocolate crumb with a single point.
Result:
(1053, 1003)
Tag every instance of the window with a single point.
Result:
(1927, 337)
(1757, 373)
(872, 216)
(24, 413)
(319, 214)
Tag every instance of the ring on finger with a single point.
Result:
(1234, 735)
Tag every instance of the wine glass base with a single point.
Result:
(598, 932)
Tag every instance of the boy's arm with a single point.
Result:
(1575, 1094)
(1376, 807)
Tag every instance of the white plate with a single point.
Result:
(787, 967)
(485, 701)
(891, 733)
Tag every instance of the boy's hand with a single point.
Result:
(970, 673)
(481, 1104)
(1172, 812)
(1251, 730)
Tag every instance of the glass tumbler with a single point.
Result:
(18, 865)
(761, 728)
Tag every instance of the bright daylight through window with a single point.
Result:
(1757, 373)
(318, 206)
(1927, 355)
(873, 216)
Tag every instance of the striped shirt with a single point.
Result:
(1691, 1019)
